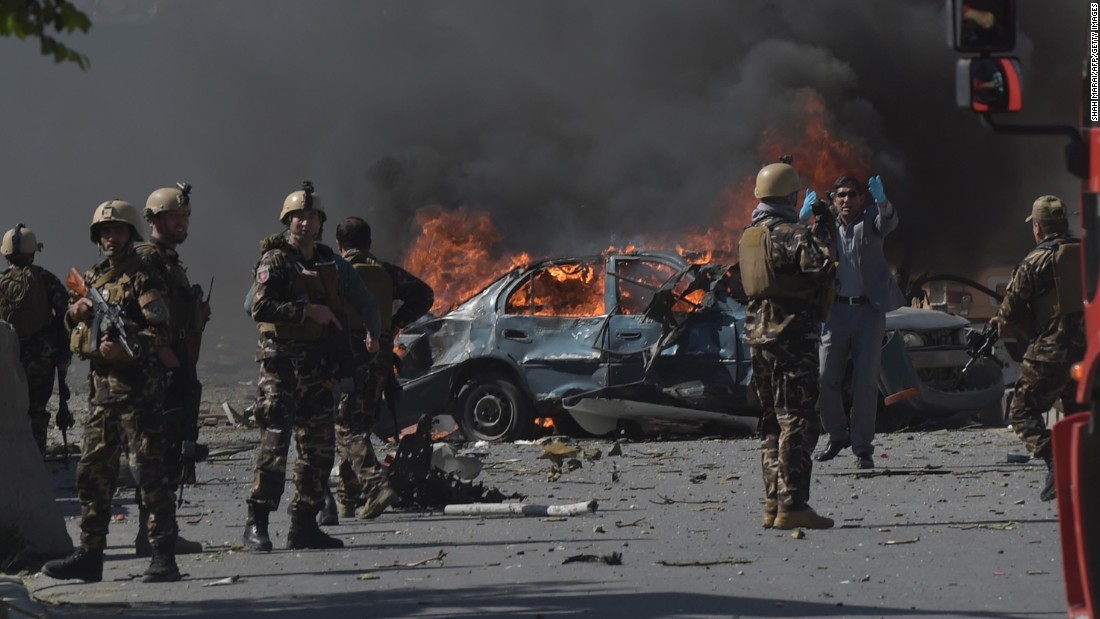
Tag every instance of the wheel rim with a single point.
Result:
(492, 414)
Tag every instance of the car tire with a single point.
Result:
(492, 408)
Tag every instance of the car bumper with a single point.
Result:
(983, 388)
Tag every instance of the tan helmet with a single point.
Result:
(20, 240)
(303, 199)
(166, 199)
(116, 210)
(777, 180)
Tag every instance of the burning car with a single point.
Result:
(593, 341)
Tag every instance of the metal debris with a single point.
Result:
(706, 562)
(615, 558)
(228, 580)
(520, 509)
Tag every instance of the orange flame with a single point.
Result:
(456, 251)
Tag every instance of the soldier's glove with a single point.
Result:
(877, 192)
(187, 462)
(807, 206)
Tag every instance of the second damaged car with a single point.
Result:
(592, 342)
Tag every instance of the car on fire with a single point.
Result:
(639, 337)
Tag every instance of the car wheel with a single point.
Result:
(492, 408)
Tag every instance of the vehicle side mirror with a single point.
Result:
(983, 26)
(990, 84)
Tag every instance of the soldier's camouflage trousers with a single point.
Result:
(108, 426)
(1041, 383)
(291, 397)
(785, 378)
(359, 469)
(40, 377)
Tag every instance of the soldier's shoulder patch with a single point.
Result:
(263, 273)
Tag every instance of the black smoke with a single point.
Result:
(577, 124)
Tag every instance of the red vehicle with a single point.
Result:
(987, 84)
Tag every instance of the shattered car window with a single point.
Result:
(561, 289)
(638, 280)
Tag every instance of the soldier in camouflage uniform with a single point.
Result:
(34, 301)
(788, 275)
(126, 389)
(298, 295)
(1044, 302)
(168, 213)
(364, 489)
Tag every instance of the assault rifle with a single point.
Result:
(108, 320)
(979, 344)
(64, 417)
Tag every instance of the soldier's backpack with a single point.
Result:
(24, 301)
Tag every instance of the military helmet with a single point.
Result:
(303, 199)
(166, 199)
(19, 240)
(777, 180)
(116, 210)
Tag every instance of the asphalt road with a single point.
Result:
(943, 527)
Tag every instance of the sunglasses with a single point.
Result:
(846, 194)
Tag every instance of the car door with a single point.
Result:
(548, 323)
(631, 282)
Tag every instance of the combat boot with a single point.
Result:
(1048, 493)
(163, 567)
(329, 514)
(771, 508)
(805, 518)
(143, 548)
(84, 564)
(381, 496)
(345, 510)
(305, 533)
(255, 529)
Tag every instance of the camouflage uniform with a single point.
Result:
(783, 335)
(360, 472)
(47, 348)
(126, 399)
(291, 392)
(1058, 342)
(188, 314)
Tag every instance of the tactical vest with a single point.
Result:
(759, 276)
(1066, 297)
(380, 285)
(318, 286)
(112, 285)
(24, 300)
(188, 311)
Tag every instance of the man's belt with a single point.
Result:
(852, 300)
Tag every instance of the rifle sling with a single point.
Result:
(128, 267)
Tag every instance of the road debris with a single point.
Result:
(898, 542)
(615, 558)
(438, 557)
(520, 509)
(707, 562)
(228, 580)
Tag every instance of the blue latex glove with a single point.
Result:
(875, 187)
(807, 206)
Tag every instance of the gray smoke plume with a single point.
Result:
(576, 124)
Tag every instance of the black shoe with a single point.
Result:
(864, 461)
(84, 564)
(1048, 493)
(255, 529)
(305, 533)
(832, 449)
(163, 567)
